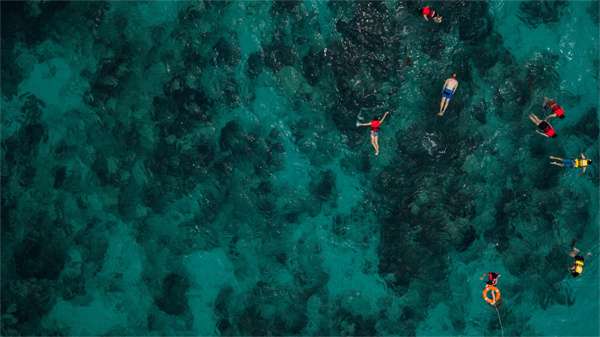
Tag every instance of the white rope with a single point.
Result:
(499, 320)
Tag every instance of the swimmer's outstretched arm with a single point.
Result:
(582, 155)
(382, 118)
(541, 133)
(363, 124)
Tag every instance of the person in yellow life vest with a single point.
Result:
(582, 162)
(576, 268)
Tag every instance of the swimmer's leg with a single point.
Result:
(556, 158)
(534, 119)
(442, 110)
(375, 143)
(446, 105)
(557, 164)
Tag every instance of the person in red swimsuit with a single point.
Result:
(429, 13)
(492, 278)
(557, 110)
(545, 129)
(375, 124)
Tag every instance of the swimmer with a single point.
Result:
(429, 13)
(577, 267)
(375, 124)
(582, 162)
(545, 129)
(447, 92)
(557, 110)
(492, 278)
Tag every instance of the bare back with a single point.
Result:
(451, 84)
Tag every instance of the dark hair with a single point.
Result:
(589, 161)
(375, 118)
(454, 75)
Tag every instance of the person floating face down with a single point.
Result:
(544, 128)
(576, 268)
(557, 110)
(429, 13)
(582, 162)
(375, 124)
(448, 90)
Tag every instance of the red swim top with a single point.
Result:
(550, 132)
(375, 125)
(427, 11)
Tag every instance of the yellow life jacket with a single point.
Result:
(578, 266)
(581, 163)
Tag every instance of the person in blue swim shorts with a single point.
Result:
(447, 92)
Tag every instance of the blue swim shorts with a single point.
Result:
(447, 93)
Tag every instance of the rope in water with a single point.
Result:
(499, 320)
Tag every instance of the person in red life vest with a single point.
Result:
(429, 13)
(545, 129)
(375, 124)
(557, 110)
(492, 278)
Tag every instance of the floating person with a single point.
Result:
(374, 124)
(578, 261)
(545, 129)
(447, 92)
(429, 13)
(582, 162)
(557, 110)
(491, 294)
(492, 278)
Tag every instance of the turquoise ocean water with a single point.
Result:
(194, 168)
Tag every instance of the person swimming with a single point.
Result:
(545, 129)
(582, 162)
(375, 124)
(492, 278)
(429, 13)
(447, 92)
(557, 110)
(576, 268)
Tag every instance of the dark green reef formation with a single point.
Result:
(194, 168)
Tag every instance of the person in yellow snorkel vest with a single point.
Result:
(576, 268)
(582, 162)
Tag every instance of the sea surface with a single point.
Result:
(194, 168)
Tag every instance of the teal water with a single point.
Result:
(194, 168)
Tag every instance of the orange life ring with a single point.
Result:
(495, 294)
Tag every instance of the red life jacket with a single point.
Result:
(550, 132)
(375, 125)
(427, 11)
(558, 110)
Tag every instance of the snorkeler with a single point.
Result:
(375, 124)
(546, 129)
(577, 268)
(492, 278)
(447, 92)
(557, 110)
(429, 13)
(582, 162)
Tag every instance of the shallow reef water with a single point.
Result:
(194, 168)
